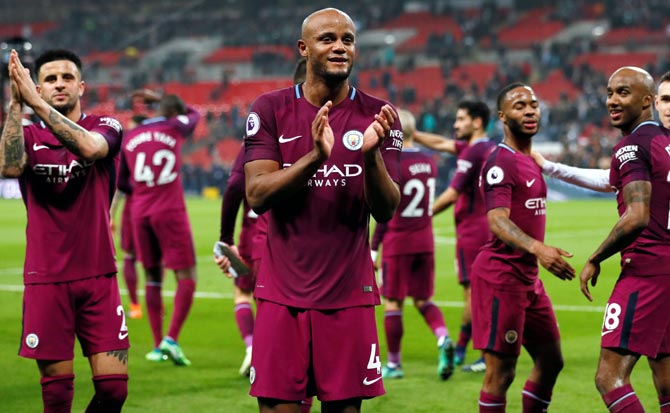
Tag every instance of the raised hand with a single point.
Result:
(379, 129)
(322, 134)
(148, 95)
(21, 84)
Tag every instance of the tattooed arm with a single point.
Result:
(636, 196)
(89, 145)
(13, 156)
(549, 257)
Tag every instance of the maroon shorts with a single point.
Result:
(54, 313)
(127, 243)
(504, 320)
(465, 256)
(248, 282)
(636, 316)
(408, 275)
(298, 353)
(164, 238)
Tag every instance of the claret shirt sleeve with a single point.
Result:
(498, 180)
(260, 140)
(185, 123)
(112, 131)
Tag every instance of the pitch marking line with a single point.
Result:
(228, 296)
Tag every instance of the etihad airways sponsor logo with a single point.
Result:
(333, 175)
(58, 173)
(538, 205)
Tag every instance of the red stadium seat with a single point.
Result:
(550, 89)
(609, 62)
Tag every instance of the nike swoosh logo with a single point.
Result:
(37, 147)
(530, 183)
(122, 336)
(367, 382)
(282, 139)
(604, 333)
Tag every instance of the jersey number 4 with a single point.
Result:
(164, 159)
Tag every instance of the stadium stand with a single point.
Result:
(221, 59)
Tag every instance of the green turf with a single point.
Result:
(211, 340)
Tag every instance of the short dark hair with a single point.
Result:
(56, 54)
(665, 77)
(476, 109)
(172, 105)
(505, 90)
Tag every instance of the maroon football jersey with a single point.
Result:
(151, 163)
(318, 252)
(512, 180)
(469, 209)
(410, 231)
(233, 196)
(644, 155)
(67, 201)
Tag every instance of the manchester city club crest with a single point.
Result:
(32, 340)
(353, 140)
(511, 336)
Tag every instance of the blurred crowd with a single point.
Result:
(578, 123)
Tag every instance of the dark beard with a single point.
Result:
(332, 79)
(517, 129)
(64, 109)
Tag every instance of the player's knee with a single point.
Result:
(111, 391)
(500, 379)
(57, 393)
(506, 378)
(605, 381)
(552, 365)
(420, 304)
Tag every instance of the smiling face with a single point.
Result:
(629, 97)
(520, 112)
(328, 45)
(60, 85)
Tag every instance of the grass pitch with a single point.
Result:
(211, 340)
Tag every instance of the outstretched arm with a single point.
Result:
(594, 179)
(435, 142)
(549, 257)
(445, 200)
